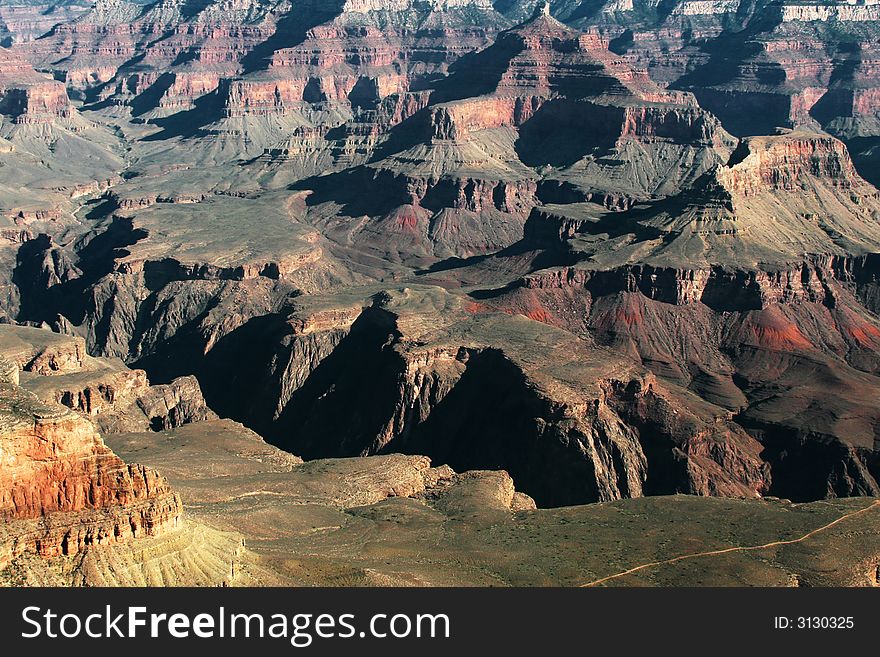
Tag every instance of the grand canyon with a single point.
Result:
(439, 292)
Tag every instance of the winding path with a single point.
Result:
(746, 548)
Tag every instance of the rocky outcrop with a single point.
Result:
(683, 124)
(55, 466)
(261, 97)
(717, 287)
(27, 97)
(785, 163)
(456, 120)
(57, 369)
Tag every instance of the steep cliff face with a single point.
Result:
(760, 353)
(56, 469)
(787, 163)
(27, 97)
(350, 382)
(626, 442)
(721, 289)
(71, 511)
(805, 65)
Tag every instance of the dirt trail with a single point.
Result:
(746, 548)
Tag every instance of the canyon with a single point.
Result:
(340, 269)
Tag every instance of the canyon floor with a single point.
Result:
(438, 293)
(370, 521)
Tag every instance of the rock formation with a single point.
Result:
(58, 370)
(71, 511)
(469, 173)
(28, 97)
(63, 490)
(401, 375)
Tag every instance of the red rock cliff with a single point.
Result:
(62, 489)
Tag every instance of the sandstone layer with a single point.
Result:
(63, 490)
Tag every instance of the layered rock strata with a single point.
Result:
(63, 490)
